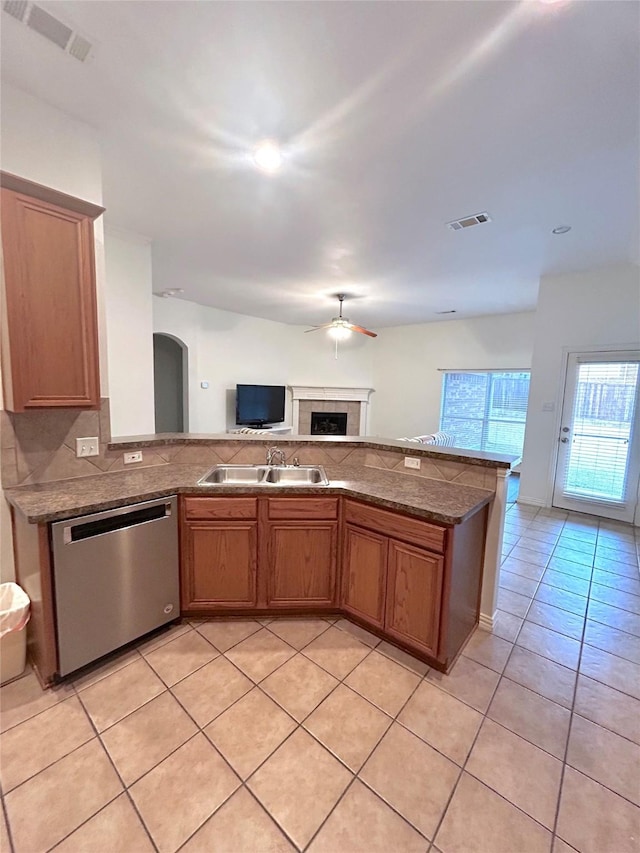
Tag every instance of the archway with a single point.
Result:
(170, 379)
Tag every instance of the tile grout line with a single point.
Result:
(6, 821)
(356, 774)
(553, 828)
(298, 726)
(585, 618)
(569, 730)
(589, 598)
(573, 712)
(113, 799)
(464, 764)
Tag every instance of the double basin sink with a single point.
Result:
(265, 475)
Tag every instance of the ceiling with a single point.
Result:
(396, 118)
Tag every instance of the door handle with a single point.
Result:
(565, 429)
(564, 440)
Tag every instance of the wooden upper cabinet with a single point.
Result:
(364, 574)
(50, 333)
(414, 596)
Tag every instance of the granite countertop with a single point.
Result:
(409, 448)
(435, 500)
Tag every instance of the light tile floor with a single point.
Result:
(312, 735)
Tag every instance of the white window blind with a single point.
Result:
(603, 416)
(486, 411)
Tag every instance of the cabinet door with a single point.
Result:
(364, 574)
(50, 353)
(414, 596)
(219, 566)
(301, 563)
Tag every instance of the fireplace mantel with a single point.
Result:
(323, 392)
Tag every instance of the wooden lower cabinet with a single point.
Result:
(247, 553)
(301, 563)
(410, 581)
(219, 543)
(219, 565)
(364, 574)
(414, 596)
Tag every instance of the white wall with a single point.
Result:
(408, 361)
(577, 311)
(227, 348)
(130, 323)
(49, 147)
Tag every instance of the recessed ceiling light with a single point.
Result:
(267, 156)
(561, 229)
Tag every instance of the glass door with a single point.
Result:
(598, 465)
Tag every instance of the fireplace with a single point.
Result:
(328, 423)
(329, 402)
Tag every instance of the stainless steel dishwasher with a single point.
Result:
(115, 578)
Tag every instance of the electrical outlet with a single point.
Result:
(412, 462)
(87, 447)
(136, 456)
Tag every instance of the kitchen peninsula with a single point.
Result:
(410, 556)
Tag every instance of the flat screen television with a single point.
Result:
(257, 405)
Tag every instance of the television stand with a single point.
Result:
(275, 430)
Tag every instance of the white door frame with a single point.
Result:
(567, 353)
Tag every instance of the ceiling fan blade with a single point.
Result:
(362, 330)
(317, 328)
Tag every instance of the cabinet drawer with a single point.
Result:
(412, 530)
(212, 508)
(292, 508)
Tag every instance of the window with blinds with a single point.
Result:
(603, 415)
(486, 411)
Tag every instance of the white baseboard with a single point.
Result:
(523, 499)
(486, 622)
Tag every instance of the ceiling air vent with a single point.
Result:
(50, 27)
(469, 221)
(79, 47)
(15, 8)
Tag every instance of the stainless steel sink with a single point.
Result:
(301, 475)
(265, 475)
(234, 475)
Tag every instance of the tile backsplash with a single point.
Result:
(40, 446)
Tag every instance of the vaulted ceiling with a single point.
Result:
(395, 118)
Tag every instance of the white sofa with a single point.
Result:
(443, 439)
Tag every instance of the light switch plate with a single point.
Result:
(87, 447)
(412, 462)
(136, 456)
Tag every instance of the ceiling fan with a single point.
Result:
(340, 327)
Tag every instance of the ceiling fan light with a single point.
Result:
(339, 333)
(267, 156)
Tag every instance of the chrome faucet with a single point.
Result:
(274, 454)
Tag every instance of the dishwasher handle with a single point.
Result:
(112, 523)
